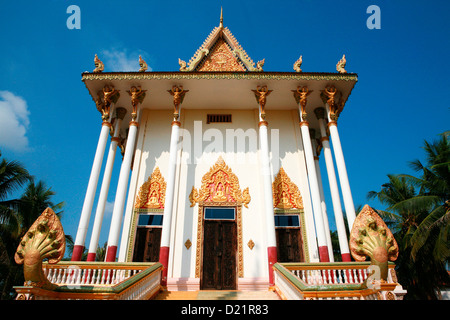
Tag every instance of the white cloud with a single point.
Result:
(14, 122)
(121, 60)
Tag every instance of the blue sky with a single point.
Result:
(49, 122)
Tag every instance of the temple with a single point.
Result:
(220, 184)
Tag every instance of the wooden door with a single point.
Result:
(219, 255)
(289, 245)
(146, 248)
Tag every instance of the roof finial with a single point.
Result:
(221, 17)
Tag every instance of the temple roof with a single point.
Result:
(220, 52)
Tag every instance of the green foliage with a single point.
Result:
(418, 214)
(17, 216)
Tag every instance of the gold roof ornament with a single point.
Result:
(370, 237)
(298, 64)
(99, 66)
(44, 240)
(220, 52)
(142, 64)
(341, 65)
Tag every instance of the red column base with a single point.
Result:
(346, 257)
(164, 260)
(323, 254)
(91, 256)
(272, 257)
(77, 252)
(111, 254)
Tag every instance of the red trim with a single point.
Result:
(77, 252)
(323, 254)
(164, 260)
(346, 257)
(111, 254)
(272, 257)
(91, 256)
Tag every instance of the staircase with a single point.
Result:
(217, 295)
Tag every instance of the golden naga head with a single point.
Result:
(370, 237)
(44, 240)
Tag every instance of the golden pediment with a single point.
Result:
(221, 59)
(220, 184)
(286, 194)
(152, 193)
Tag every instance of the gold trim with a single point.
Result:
(152, 193)
(286, 194)
(220, 187)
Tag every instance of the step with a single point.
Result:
(217, 295)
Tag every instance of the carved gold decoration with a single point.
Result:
(220, 187)
(260, 64)
(221, 58)
(178, 94)
(107, 96)
(329, 95)
(182, 64)
(220, 184)
(286, 194)
(143, 65)
(152, 193)
(300, 96)
(99, 66)
(44, 240)
(341, 65)
(251, 244)
(370, 237)
(188, 244)
(261, 94)
(298, 64)
(137, 96)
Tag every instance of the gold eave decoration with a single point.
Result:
(152, 193)
(286, 194)
(220, 184)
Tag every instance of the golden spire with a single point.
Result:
(221, 17)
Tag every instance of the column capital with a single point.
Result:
(120, 113)
(105, 98)
(178, 94)
(261, 94)
(137, 97)
(300, 96)
(333, 97)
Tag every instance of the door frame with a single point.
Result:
(200, 237)
(235, 240)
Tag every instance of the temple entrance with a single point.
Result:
(289, 238)
(219, 263)
(148, 238)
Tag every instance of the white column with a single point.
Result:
(120, 112)
(322, 197)
(168, 204)
(122, 186)
(334, 190)
(342, 171)
(90, 193)
(315, 194)
(271, 241)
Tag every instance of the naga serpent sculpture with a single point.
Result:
(44, 240)
(370, 237)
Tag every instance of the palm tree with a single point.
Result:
(417, 213)
(13, 176)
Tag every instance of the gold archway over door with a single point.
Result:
(220, 187)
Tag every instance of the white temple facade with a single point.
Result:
(220, 176)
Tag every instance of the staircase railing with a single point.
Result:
(298, 281)
(96, 281)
